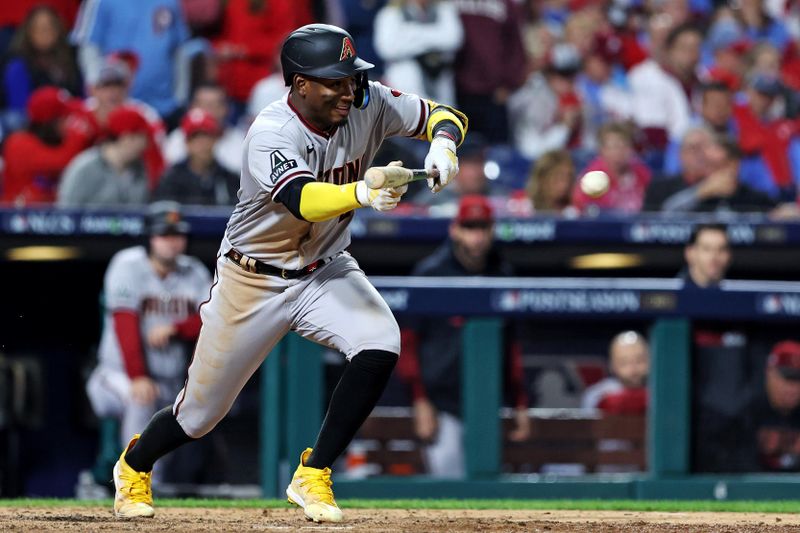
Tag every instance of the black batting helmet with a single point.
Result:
(165, 218)
(324, 51)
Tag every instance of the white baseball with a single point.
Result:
(595, 183)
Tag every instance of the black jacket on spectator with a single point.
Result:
(440, 344)
(743, 200)
(181, 184)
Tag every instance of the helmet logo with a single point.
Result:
(173, 217)
(348, 50)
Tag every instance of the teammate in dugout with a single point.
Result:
(151, 297)
(282, 264)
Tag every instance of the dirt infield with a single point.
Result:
(390, 520)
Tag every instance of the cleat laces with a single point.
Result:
(137, 487)
(318, 483)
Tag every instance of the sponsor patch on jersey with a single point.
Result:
(280, 164)
(348, 50)
(396, 93)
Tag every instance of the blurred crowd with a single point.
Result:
(688, 105)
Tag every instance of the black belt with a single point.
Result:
(258, 267)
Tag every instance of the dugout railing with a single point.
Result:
(292, 384)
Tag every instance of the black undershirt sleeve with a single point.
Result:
(290, 195)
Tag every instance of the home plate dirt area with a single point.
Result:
(72, 518)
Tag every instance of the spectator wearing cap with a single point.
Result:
(765, 131)
(112, 173)
(629, 176)
(727, 47)
(776, 413)
(546, 112)
(39, 56)
(152, 30)
(110, 91)
(624, 390)
(662, 89)
(36, 157)
(418, 40)
(490, 65)
(211, 98)
(431, 353)
(200, 179)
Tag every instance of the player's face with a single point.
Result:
(473, 240)
(784, 394)
(200, 147)
(110, 95)
(717, 108)
(213, 101)
(328, 101)
(631, 363)
(616, 150)
(131, 146)
(43, 31)
(167, 248)
(557, 184)
(709, 257)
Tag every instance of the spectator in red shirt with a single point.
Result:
(625, 391)
(35, 157)
(764, 130)
(252, 32)
(629, 175)
(111, 91)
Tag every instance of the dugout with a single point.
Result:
(50, 313)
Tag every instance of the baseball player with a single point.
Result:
(152, 295)
(282, 265)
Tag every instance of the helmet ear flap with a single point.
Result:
(362, 91)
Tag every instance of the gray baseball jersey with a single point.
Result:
(335, 305)
(132, 284)
(281, 146)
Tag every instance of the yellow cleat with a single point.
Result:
(133, 497)
(311, 489)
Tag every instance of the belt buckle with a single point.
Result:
(283, 274)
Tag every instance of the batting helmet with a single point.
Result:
(165, 218)
(325, 51)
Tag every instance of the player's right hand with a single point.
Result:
(380, 199)
(144, 390)
(442, 157)
(425, 425)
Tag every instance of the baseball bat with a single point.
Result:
(395, 176)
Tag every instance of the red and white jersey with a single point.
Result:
(282, 146)
(131, 284)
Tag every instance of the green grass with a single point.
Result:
(550, 505)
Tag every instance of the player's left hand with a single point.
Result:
(522, 426)
(159, 336)
(441, 156)
(381, 199)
